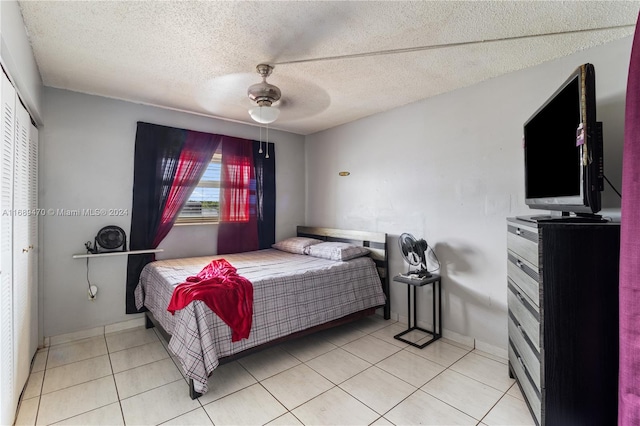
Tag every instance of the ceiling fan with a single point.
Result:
(264, 95)
(266, 100)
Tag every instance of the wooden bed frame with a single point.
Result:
(376, 242)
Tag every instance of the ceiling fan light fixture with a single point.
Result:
(264, 114)
(264, 94)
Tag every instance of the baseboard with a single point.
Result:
(465, 341)
(93, 332)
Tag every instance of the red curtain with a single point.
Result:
(194, 160)
(238, 229)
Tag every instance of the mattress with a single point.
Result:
(291, 292)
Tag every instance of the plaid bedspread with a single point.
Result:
(291, 292)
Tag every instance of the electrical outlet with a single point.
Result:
(92, 292)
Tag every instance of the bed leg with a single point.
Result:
(192, 392)
(147, 322)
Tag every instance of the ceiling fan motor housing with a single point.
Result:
(263, 93)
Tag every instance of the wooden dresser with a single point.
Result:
(562, 289)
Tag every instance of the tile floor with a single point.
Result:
(356, 374)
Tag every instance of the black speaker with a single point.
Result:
(110, 238)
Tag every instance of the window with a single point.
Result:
(203, 205)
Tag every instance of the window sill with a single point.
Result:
(195, 223)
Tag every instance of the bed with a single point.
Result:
(294, 294)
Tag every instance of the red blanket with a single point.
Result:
(226, 293)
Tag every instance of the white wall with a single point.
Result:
(450, 170)
(87, 149)
(17, 57)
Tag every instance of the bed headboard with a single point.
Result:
(376, 242)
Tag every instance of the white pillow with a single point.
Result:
(295, 245)
(336, 251)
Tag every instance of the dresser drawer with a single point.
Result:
(528, 388)
(525, 312)
(523, 241)
(530, 356)
(524, 276)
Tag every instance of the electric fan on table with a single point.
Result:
(414, 253)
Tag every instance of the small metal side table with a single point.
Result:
(412, 283)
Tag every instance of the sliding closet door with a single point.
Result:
(21, 247)
(18, 247)
(10, 394)
(33, 239)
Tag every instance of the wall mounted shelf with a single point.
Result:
(115, 253)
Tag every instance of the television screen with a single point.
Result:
(563, 149)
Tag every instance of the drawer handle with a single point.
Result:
(519, 264)
(521, 330)
(521, 362)
(518, 231)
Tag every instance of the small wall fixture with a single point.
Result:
(344, 173)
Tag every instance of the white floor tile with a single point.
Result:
(335, 407)
(285, 420)
(422, 409)
(465, 394)
(338, 365)
(197, 417)
(371, 323)
(411, 368)
(250, 406)
(34, 385)
(515, 391)
(268, 362)
(342, 335)
(146, 377)
(158, 405)
(40, 360)
(371, 349)
(387, 334)
(485, 370)
(226, 379)
(76, 351)
(78, 399)
(440, 352)
(107, 415)
(355, 374)
(509, 411)
(130, 338)
(137, 356)
(490, 356)
(378, 389)
(27, 412)
(308, 347)
(382, 422)
(296, 385)
(75, 373)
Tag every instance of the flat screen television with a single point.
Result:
(563, 152)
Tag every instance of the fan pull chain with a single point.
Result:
(260, 150)
(267, 142)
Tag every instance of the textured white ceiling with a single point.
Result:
(201, 56)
